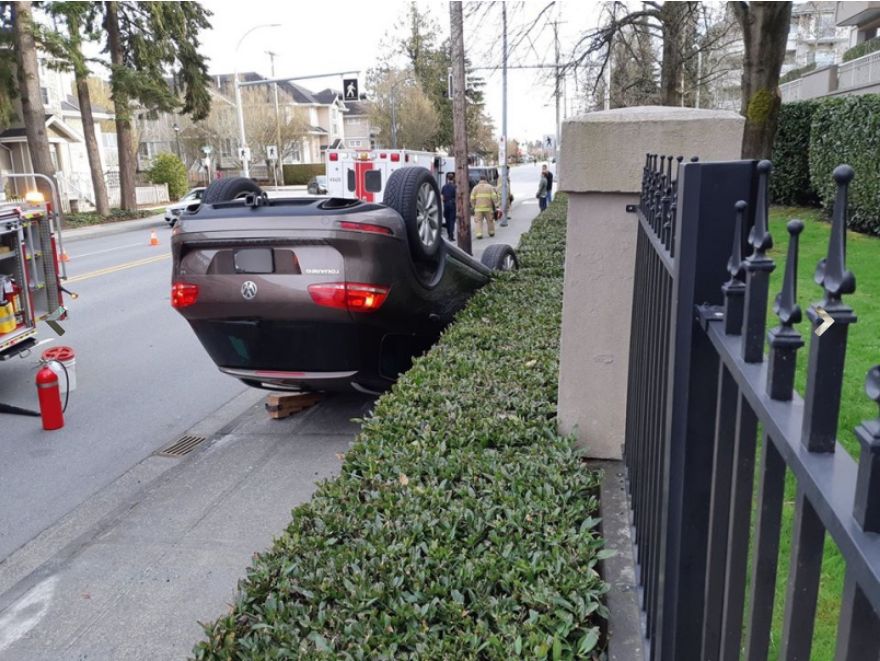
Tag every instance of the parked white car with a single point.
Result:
(173, 211)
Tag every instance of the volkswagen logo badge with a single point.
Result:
(249, 290)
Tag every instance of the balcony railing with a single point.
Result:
(862, 71)
(791, 91)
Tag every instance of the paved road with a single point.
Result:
(142, 379)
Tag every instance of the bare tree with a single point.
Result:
(765, 28)
(397, 98)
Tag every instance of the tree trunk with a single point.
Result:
(128, 201)
(102, 205)
(459, 123)
(32, 109)
(672, 17)
(765, 28)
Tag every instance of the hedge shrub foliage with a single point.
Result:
(847, 130)
(300, 174)
(857, 51)
(462, 526)
(790, 183)
(168, 169)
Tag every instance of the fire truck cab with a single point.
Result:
(30, 283)
(362, 174)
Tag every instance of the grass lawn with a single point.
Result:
(863, 259)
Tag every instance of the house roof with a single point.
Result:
(71, 104)
(52, 121)
(327, 96)
(356, 108)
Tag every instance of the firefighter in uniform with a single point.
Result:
(484, 200)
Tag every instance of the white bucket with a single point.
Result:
(66, 357)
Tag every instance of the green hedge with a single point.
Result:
(868, 46)
(301, 174)
(461, 526)
(795, 74)
(169, 169)
(790, 183)
(847, 130)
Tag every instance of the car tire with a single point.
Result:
(500, 257)
(226, 190)
(413, 193)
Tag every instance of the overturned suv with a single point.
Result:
(324, 294)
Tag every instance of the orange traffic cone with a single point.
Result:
(154, 239)
(64, 256)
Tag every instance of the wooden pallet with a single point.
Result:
(283, 405)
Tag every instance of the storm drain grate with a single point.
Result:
(182, 446)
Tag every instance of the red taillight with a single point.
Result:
(395, 158)
(364, 227)
(351, 296)
(334, 157)
(183, 294)
(382, 155)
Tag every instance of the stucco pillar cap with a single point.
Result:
(604, 152)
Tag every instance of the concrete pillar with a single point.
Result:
(601, 170)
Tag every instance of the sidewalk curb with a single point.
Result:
(109, 229)
(36, 559)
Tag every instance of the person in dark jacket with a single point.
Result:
(546, 172)
(448, 196)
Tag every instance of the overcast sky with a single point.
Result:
(337, 35)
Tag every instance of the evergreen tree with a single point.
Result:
(145, 40)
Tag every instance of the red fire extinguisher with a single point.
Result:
(50, 399)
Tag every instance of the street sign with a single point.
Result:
(502, 151)
(272, 153)
(350, 85)
(244, 154)
(449, 83)
(549, 142)
(207, 149)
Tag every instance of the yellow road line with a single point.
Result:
(119, 267)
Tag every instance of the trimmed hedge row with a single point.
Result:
(461, 526)
(813, 138)
(300, 174)
(790, 183)
(857, 51)
(847, 130)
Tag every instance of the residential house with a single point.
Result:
(815, 38)
(359, 133)
(67, 146)
(859, 75)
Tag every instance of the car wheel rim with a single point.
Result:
(427, 215)
(508, 264)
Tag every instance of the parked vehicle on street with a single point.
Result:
(328, 293)
(491, 174)
(317, 185)
(173, 211)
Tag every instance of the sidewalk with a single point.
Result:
(134, 583)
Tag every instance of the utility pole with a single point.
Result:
(557, 88)
(459, 128)
(505, 193)
(277, 162)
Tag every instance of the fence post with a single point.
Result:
(601, 166)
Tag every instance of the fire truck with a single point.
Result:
(30, 278)
(362, 173)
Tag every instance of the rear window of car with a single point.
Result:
(373, 181)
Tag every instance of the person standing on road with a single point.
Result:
(546, 172)
(542, 191)
(484, 200)
(447, 193)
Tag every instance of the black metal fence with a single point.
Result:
(700, 388)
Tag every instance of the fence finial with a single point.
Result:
(735, 263)
(831, 273)
(734, 289)
(786, 307)
(866, 508)
(784, 340)
(759, 237)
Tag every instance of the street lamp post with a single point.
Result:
(177, 140)
(241, 134)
